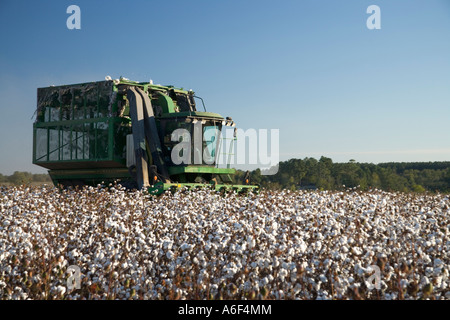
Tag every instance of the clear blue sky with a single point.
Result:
(310, 68)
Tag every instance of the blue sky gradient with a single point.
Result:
(310, 68)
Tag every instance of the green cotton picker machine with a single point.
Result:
(137, 133)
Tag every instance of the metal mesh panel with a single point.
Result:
(41, 144)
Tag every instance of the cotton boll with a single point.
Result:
(61, 290)
(169, 255)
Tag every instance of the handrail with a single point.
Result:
(202, 102)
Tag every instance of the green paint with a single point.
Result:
(166, 103)
(199, 169)
(159, 188)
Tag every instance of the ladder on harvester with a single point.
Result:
(230, 152)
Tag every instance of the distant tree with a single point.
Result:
(418, 188)
(375, 181)
(447, 178)
(325, 179)
(38, 177)
(19, 177)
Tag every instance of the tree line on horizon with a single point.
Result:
(21, 177)
(323, 174)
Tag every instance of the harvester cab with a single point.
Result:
(143, 135)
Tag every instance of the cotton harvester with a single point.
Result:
(121, 130)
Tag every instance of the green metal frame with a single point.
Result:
(160, 187)
(71, 123)
(174, 170)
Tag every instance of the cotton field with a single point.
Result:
(111, 244)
